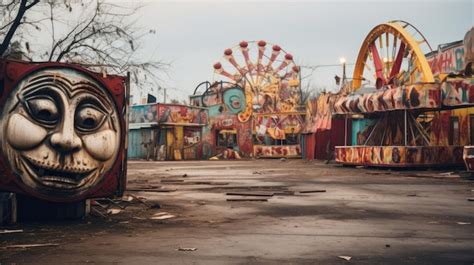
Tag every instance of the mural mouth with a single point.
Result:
(55, 175)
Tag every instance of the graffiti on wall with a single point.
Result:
(400, 155)
(457, 91)
(167, 113)
(425, 96)
(447, 60)
(277, 151)
(180, 114)
(229, 122)
(278, 126)
(143, 114)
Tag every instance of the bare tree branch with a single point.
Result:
(24, 6)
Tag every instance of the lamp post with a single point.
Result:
(342, 60)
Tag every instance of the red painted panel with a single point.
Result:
(309, 146)
(334, 136)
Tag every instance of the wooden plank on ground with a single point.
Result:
(247, 200)
(152, 190)
(251, 193)
(311, 191)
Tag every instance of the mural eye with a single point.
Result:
(89, 118)
(43, 110)
(235, 102)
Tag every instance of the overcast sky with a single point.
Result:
(193, 34)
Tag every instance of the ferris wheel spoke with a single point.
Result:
(394, 47)
(245, 53)
(397, 64)
(220, 70)
(260, 69)
(378, 64)
(229, 56)
(275, 52)
(285, 63)
(293, 74)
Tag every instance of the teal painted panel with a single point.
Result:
(358, 126)
(136, 140)
(214, 110)
(234, 99)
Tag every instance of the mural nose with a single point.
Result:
(65, 142)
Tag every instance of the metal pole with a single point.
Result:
(405, 129)
(164, 95)
(343, 73)
(345, 130)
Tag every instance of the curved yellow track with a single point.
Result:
(394, 28)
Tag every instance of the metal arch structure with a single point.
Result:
(387, 70)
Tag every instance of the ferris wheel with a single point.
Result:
(269, 77)
(393, 54)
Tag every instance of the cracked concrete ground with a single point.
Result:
(373, 216)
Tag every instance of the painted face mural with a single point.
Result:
(234, 99)
(60, 131)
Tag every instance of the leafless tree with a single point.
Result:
(97, 34)
(12, 18)
(309, 91)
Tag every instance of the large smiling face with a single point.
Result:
(60, 131)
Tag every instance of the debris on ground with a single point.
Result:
(171, 180)
(113, 211)
(247, 199)
(31, 245)
(207, 183)
(228, 154)
(104, 207)
(251, 193)
(463, 223)
(162, 216)
(378, 173)
(97, 212)
(107, 202)
(387, 245)
(155, 206)
(283, 159)
(141, 200)
(470, 199)
(127, 198)
(447, 173)
(144, 187)
(345, 257)
(184, 175)
(412, 195)
(152, 190)
(6, 231)
(311, 191)
(257, 173)
(186, 249)
(284, 193)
